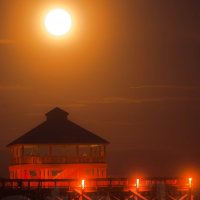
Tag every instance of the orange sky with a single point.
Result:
(128, 70)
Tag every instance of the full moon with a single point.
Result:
(58, 22)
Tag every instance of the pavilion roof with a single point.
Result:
(57, 129)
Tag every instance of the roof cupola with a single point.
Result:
(57, 115)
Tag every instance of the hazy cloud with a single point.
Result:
(191, 35)
(36, 114)
(67, 105)
(12, 87)
(42, 105)
(181, 87)
(121, 100)
(152, 93)
(74, 105)
(126, 100)
(140, 94)
(6, 41)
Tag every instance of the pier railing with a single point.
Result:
(57, 159)
(144, 184)
(116, 188)
(62, 183)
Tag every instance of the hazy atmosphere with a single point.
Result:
(128, 70)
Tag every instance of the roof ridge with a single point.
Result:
(58, 131)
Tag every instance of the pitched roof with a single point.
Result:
(57, 129)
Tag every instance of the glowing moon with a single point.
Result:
(58, 22)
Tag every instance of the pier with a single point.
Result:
(60, 160)
(99, 189)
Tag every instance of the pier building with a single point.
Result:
(59, 159)
(58, 149)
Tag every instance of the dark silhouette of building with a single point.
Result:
(58, 149)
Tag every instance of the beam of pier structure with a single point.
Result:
(184, 197)
(138, 195)
(161, 189)
(171, 197)
(114, 197)
(58, 198)
(101, 198)
(80, 192)
(86, 197)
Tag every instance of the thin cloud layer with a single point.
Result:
(151, 94)
(181, 87)
(6, 41)
(64, 106)
(11, 87)
(121, 100)
(124, 100)
(138, 95)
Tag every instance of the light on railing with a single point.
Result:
(190, 182)
(137, 183)
(83, 184)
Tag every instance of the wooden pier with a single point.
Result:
(60, 160)
(99, 189)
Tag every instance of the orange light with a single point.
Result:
(83, 184)
(190, 182)
(137, 183)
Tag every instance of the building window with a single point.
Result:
(25, 174)
(95, 151)
(43, 150)
(84, 151)
(70, 150)
(56, 172)
(102, 151)
(15, 174)
(33, 173)
(92, 172)
(59, 150)
(87, 172)
(102, 173)
(12, 174)
(28, 151)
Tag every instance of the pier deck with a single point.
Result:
(100, 189)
